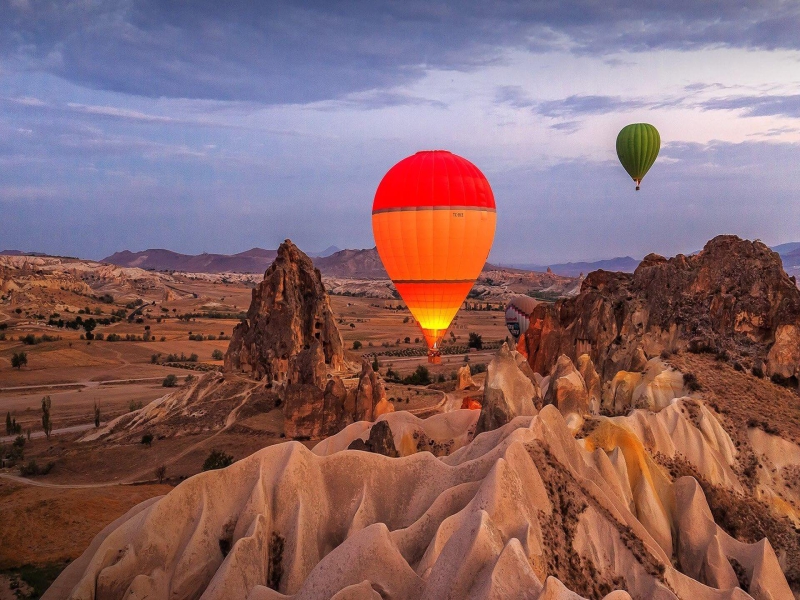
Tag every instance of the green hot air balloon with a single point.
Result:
(637, 149)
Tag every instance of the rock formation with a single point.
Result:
(290, 334)
(507, 392)
(594, 386)
(464, 379)
(371, 399)
(733, 297)
(567, 389)
(653, 388)
(524, 511)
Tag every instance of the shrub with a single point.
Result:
(217, 355)
(475, 340)
(154, 358)
(217, 459)
(193, 357)
(34, 469)
(691, 383)
(19, 360)
(147, 439)
(478, 368)
(421, 376)
(161, 473)
(133, 405)
(356, 345)
(170, 381)
(758, 371)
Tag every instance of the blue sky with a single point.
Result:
(210, 126)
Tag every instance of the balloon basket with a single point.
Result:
(434, 357)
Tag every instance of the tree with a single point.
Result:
(161, 473)
(217, 460)
(47, 424)
(356, 345)
(8, 423)
(375, 364)
(96, 415)
(217, 355)
(19, 360)
(147, 439)
(475, 340)
(170, 381)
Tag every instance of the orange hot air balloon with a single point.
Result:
(433, 219)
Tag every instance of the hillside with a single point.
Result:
(624, 264)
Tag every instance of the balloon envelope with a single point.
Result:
(518, 312)
(637, 148)
(433, 219)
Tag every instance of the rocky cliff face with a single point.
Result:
(733, 297)
(290, 334)
(290, 339)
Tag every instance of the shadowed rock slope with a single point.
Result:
(733, 297)
(289, 325)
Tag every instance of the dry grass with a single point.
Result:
(742, 398)
(41, 526)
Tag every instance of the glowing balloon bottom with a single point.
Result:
(434, 304)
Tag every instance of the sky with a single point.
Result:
(206, 126)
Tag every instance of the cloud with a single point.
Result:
(377, 99)
(757, 106)
(567, 126)
(120, 113)
(26, 101)
(587, 105)
(303, 52)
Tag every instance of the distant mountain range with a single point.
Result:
(625, 264)
(255, 260)
(360, 264)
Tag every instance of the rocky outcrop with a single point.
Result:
(371, 401)
(290, 335)
(464, 379)
(507, 393)
(380, 441)
(594, 386)
(654, 388)
(525, 511)
(733, 297)
(567, 391)
(312, 413)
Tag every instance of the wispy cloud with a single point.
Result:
(120, 113)
(587, 105)
(757, 106)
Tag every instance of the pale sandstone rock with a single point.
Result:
(567, 389)
(464, 380)
(473, 523)
(507, 392)
(594, 386)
